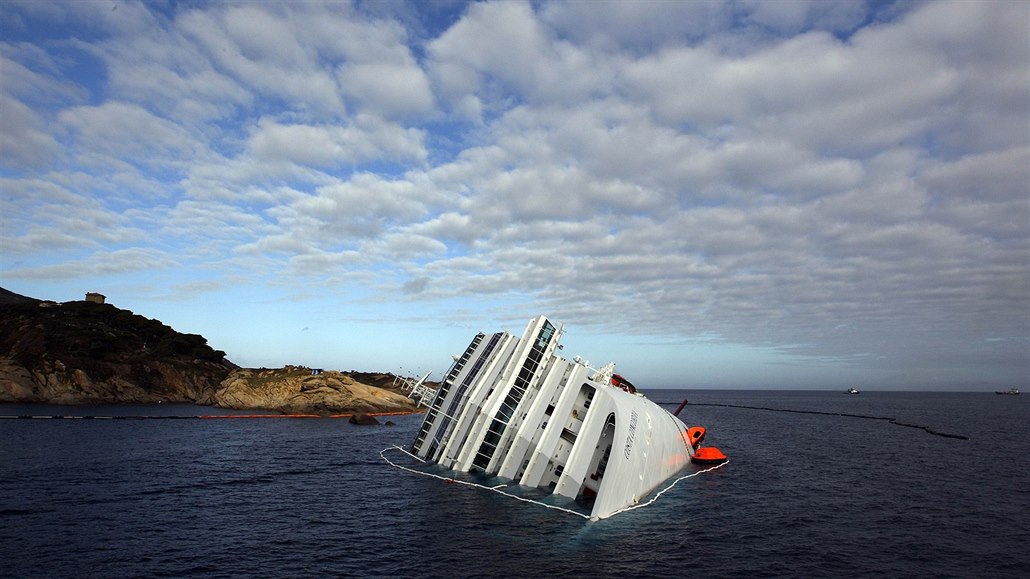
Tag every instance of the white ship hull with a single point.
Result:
(511, 407)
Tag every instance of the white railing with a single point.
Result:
(417, 390)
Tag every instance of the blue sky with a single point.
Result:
(710, 194)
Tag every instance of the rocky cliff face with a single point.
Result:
(89, 353)
(297, 390)
(53, 382)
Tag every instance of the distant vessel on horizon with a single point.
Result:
(1010, 391)
(851, 391)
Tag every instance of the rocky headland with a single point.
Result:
(298, 390)
(83, 352)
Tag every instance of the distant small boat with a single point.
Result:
(1010, 391)
(853, 391)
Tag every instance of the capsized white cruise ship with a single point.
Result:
(513, 408)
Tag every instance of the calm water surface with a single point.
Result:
(803, 495)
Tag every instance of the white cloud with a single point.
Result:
(24, 140)
(387, 89)
(404, 246)
(640, 26)
(98, 264)
(38, 79)
(368, 139)
(129, 132)
(503, 38)
(278, 69)
(179, 84)
(501, 46)
(126, 18)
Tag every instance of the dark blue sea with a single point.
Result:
(804, 495)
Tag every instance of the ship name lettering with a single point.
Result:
(632, 433)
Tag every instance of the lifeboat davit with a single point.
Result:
(708, 455)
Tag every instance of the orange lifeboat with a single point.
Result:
(709, 455)
(620, 382)
(695, 434)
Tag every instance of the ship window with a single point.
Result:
(550, 409)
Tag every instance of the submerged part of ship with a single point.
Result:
(510, 407)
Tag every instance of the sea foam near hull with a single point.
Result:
(513, 408)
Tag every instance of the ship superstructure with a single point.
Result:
(511, 407)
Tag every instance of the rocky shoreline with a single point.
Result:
(289, 390)
(86, 353)
(299, 390)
